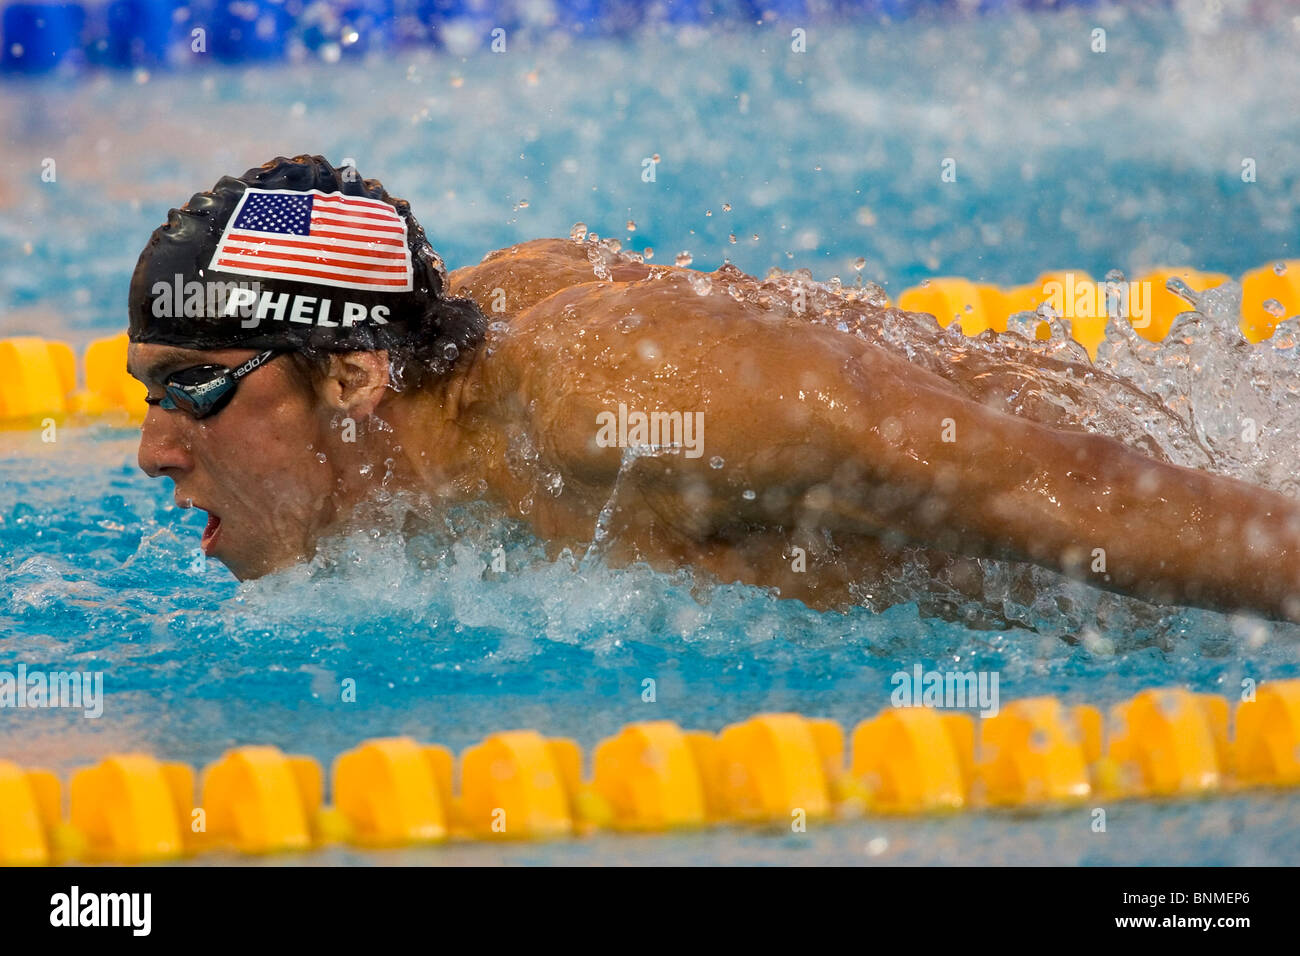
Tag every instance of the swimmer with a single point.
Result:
(575, 387)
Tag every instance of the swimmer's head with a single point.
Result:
(297, 255)
(274, 319)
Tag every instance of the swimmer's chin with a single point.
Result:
(244, 572)
(246, 566)
(251, 570)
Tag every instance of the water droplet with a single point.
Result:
(1280, 268)
(726, 207)
(365, 470)
(875, 295)
(707, 213)
(648, 253)
(498, 327)
(320, 457)
(925, 283)
(685, 258)
(578, 232)
(654, 158)
(350, 37)
(523, 204)
(1179, 288)
(748, 494)
(701, 283)
(732, 238)
(555, 485)
(631, 226)
(716, 462)
(1274, 308)
(449, 351)
(629, 322)
(526, 505)
(859, 263)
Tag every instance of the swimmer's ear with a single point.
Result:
(355, 383)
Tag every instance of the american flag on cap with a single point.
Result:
(323, 238)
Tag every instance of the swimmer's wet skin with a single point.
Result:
(389, 366)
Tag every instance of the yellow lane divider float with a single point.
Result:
(38, 378)
(1270, 294)
(1152, 308)
(773, 769)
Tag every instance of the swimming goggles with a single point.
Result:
(203, 390)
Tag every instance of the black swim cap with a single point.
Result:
(298, 255)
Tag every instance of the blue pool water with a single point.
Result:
(1064, 160)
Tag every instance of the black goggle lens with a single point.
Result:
(204, 390)
(199, 391)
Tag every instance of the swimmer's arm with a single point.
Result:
(810, 428)
(1089, 507)
(877, 446)
(945, 472)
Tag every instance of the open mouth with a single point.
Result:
(210, 533)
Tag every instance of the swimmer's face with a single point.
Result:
(252, 466)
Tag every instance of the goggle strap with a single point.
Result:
(255, 362)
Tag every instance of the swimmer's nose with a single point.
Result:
(163, 449)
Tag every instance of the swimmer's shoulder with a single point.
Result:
(513, 278)
(534, 252)
(532, 248)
